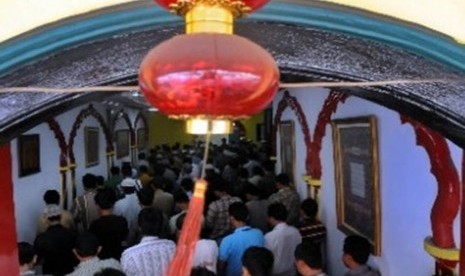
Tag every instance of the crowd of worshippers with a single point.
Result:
(254, 222)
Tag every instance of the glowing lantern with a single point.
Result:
(209, 76)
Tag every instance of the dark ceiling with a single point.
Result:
(303, 54)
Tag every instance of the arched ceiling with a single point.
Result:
(443, 16)
(302, 54)
(310, 41)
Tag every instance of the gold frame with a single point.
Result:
(358, 206)
(287, 131)
(28, 154)
(123, 143)
(91, 146)
(141, 137)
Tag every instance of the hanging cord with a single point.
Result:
(205, 153)
(282, 85)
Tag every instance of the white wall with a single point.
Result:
(29, 190)
(407, 187)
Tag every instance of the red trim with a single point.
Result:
(313, 152)
(313, 160)
(293, 103)
(122, 114)
(89, 111)
(9, 264)
(446, 205)
(462, 221)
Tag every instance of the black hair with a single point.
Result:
(110, 272)
(268, 165)
(219, 184)
(143, 168)
(201, 271)
(141, 155)
(26, 253)
(358, 248)
(258, 261)
(126, 170)
(187, 184)
(277, 211)
(310, 254)
(283, 178)
(180, 197)
(146, 195)
(89, 181)
(100, 180)
(115, 170)
(180, 221)
(86, 245)
(105, 198)
(239, 211)
(150, 222)
(257, 170)
(251, 189)
(52, 197)
(309, 207)
(158, 169)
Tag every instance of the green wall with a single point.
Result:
(164, 130)
(251, 126)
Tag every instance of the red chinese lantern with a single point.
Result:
(209, 76)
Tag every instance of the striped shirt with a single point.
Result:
(218, 215)
(312, 231)
(94, 265)
(150, 257)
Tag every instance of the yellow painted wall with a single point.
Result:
(250, 126)
(164, 130)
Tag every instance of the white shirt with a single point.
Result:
(282, 241)
(206, 254)
(151, 257)
(129, 208)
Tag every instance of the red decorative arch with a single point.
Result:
(122, 114)
(89, 111)
(56, 128)
(313, 160)
(289, 101)
(140, 116)
(330, 105)
(446, 205)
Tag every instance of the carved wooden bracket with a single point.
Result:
(56, 128)
(446, 205)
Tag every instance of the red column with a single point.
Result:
(462, 221)
(9, 264)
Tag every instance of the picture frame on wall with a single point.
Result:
(122, 143)
(287, 148)
(356, 164)
(141, 139)
(28, 154)
(91, 146)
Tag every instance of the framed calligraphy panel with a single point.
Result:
(355, 143)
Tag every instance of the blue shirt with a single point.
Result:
(234, 245)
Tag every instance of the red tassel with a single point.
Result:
(181, 264)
